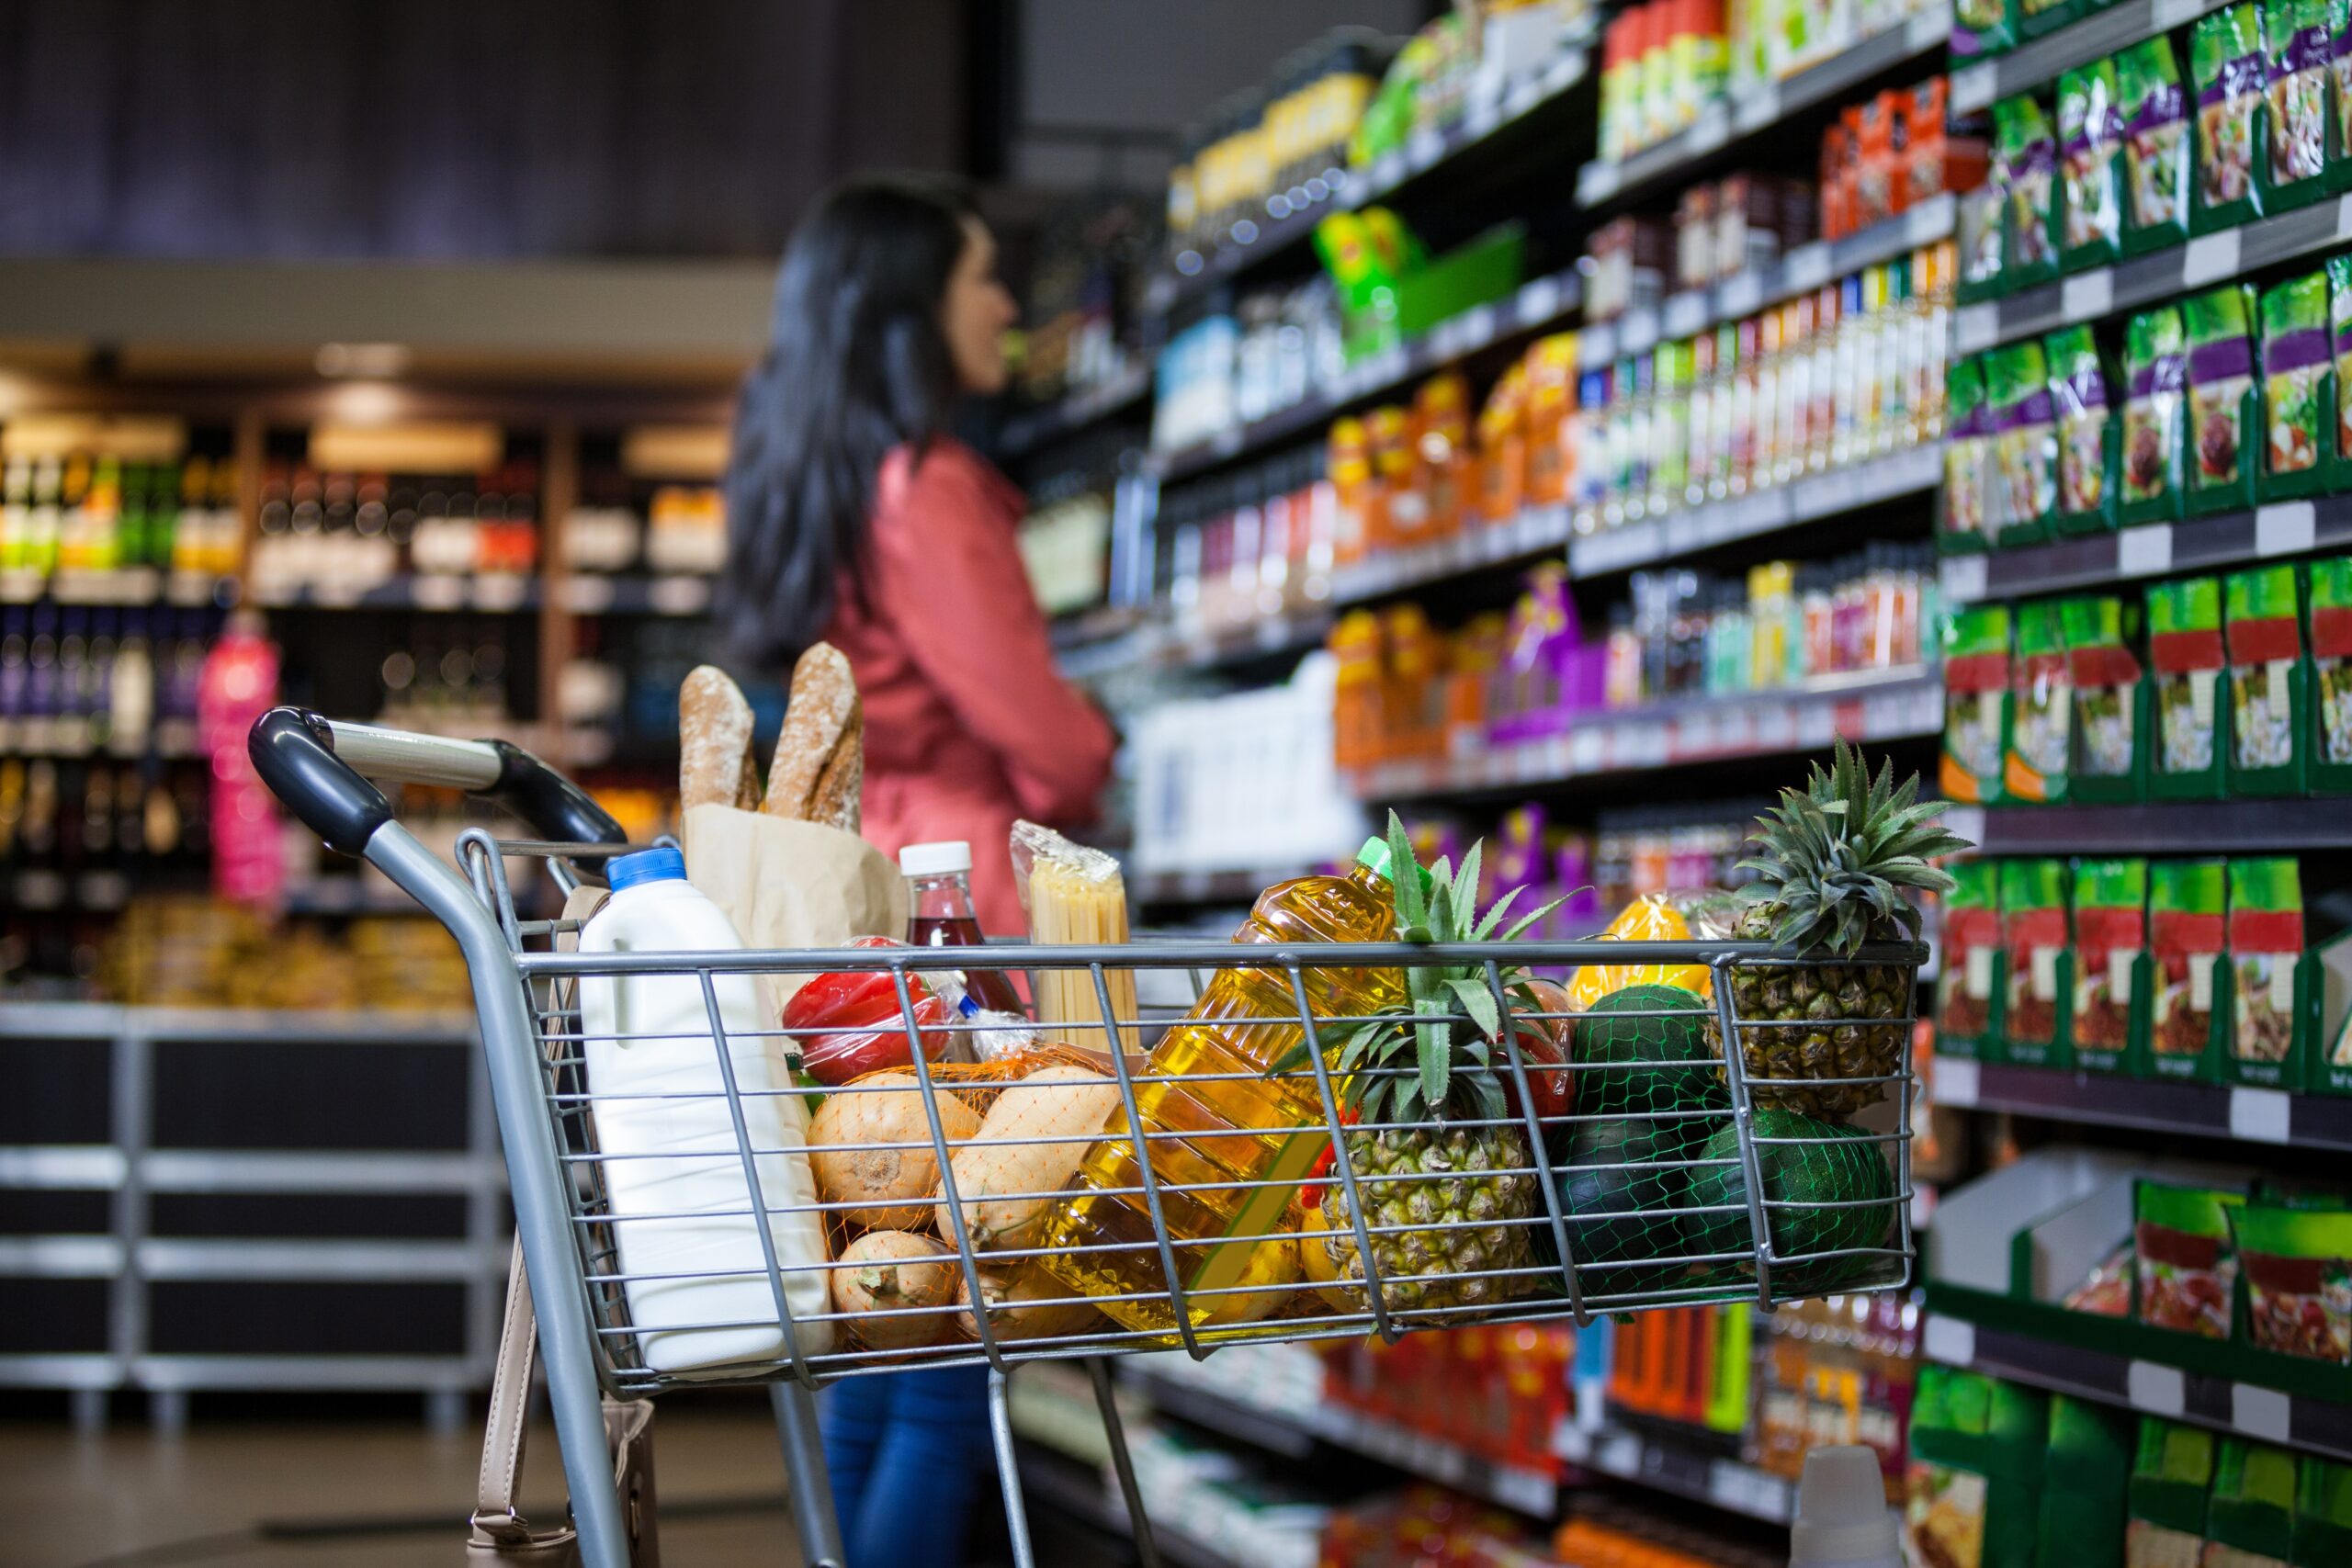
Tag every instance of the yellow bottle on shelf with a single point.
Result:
(1232, 1123)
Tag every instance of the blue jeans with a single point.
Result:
(906, 1452)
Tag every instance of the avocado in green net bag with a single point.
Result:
(1646, 1065)
(1826, 1189)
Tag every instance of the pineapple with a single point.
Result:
(1833, 861)
(1440, 1197)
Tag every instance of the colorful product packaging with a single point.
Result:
(2165, 1501)
(2155, 146)
(2187, 652)
(2024, 443)
(2040, 983)
(2250, 1519)
(2224, 398)
(2110, 962)
(2042, 707)
(2331, 645)
(2297, 39)
(2156, 418)
(2323, 1515)
(2089, 438)
(1978, 1449)
(2227, 70)
(2112, 734)
(2298, 386)
(2298, 1266)
(2085, 1479)
(2267, 994)
(2024, 166)
(1982, 28)
(2188, 1014)
(1981, 222)
(1967, 459)
(2039, 18)
(2339, 319)
(2090, 166)
(1968, 1010)
(2184, 1270)
(1976, 704)
(2269, 682)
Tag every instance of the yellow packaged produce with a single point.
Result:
(1707, 912)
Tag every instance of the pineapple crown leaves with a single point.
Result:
(1449, 1072)
(1837, 855)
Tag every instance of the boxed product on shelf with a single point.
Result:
(2156, 418)
(2298, 389)
(2086, 1472)
(2156, 146)
(2111, 730)
(1978, 1445)
(1976, 704)
(2024, 445)
(2092, 166)
(2038, 968)
(2188, 1014)
(2322, 1531)
(2269, 682)
(2042, 708)
(2088, 444)
(2331, 693)
(2025, 156)
(2227, 73)
(2224, 398)
(2269, 983)
(2184, 1268)
(1964, 525)
(1968, 1000)
(2252, 1509)
(2297, 39)
(2189, 657)
(2109, 1022)
(2292, 1257)
(2171, 1485)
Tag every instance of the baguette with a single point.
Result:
(714, 739)
(816, 716)
(841, 786)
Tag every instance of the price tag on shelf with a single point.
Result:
(1963, 579)
(2165, 14)
(1477, 327)
(1735, 730)
(1596, 182)
(2264, 1413)
(1760, 108)
(679, 595)
(1685, 313)
(1636, 332)
(1973, 87)
(1528, 1491)
(1739, 294)
(1387, 170)
(2259, 1115)
(2284, 528)
(1423, 149)
(1599, 343)
(1587, 751)
(1776, 726)
(2144, 552)
(1949, 1340)
(1480, 120)
(1621, 1454)
(2158, 1390)
(587, 595)
(1521, 98)
(500, 592)
(438, 591)
(1709, 131)
(2209, 257)
(2086, 295)
(1694, 734)
(1816, 724)
(1807, 267)
(1974, 327)
(1928, 27)
(2343, 217)
(1539, 301)
(1565, 71)
(1929, 221)
(1957, 1079)
(1727, 1486)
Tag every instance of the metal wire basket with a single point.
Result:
(1189, 1188)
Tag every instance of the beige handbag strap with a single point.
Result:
(495, 1520)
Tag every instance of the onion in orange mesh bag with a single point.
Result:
(1707, 913)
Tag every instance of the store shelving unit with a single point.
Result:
(2218, 827)
(490, 594)
(121, 588)
(2152, 549)
(2040, 60)
(1025, 433)
(1062, 1485)
(1653, 1459)
(1915, 472)
(2153, 1105)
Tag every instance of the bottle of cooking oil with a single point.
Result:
(1235, 1125)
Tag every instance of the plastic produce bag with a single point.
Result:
(1708, 914)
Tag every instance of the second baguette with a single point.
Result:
(816, 716)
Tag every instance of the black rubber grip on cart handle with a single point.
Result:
(294, 753)
(554, 807)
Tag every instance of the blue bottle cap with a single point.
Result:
(645, 865)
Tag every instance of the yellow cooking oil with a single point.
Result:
(1212, 1118)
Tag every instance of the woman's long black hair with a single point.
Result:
(856, 366)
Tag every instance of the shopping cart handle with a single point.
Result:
(320, 769)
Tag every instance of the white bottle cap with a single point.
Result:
(1842, 1518)
(935, 860)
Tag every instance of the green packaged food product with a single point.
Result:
(2156, 418)
(2090, 166)
(2026, 168)
(2111, 700)
(2339, 28)
(2250, 1518)
(2188, 1014)
(2110, 1017)
(2024, 442)
(2267, 974)
(2089, 437)
(2033, 944)
(2042, 707)
(2165, 1501)
(2294, 164)
(2187, 654)
(2085, 1477)
(1982, 28)
(1968, 425)
(2298, 1267)
(2155, 146)
(2339, 319)
(1980, 219)
(2224, 399)
(2298, 389)
(1968, 1004)
(1976, 704)
(2331, 643)
(2227, 70)
(2323, 1515)
(2184, 1272)
(2269, 682)
(1978, 1445)
(2038, 17)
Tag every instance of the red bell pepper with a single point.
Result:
(849, 1023)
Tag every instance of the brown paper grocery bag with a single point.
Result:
(787, 883)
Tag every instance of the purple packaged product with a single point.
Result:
(1525, 699)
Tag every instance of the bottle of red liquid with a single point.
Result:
(940, 914)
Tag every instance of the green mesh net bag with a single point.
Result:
(1830, 1192)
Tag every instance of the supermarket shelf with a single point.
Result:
(1538, 304)
(110, 1020)
(1025, 433)
(1070, 1489)
(1293, 1433)
(75, 737)
(1722, 123)
(2272, 1416)
(1652, 1461)
(2153, 549)
(1535, 531)
(1156, 646)
(2094, 37)
(670, 594)
(1291, 216)
(2218, 827)
(126, 586)
(505, 593)
(1915, 472)
(2153, 1105)
(1890, 705)
(2103, 291)
(90, 890)
(1803, 269)
(1206, 886)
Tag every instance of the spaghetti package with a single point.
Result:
(1074, 894)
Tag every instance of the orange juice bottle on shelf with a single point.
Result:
(1356, 702)
(1398, 514)
(1348, 469)
(1413, 656)
(1245, 1023)
(1551, 400)
(1477, 654)
(1442, 437)
(1503, 446)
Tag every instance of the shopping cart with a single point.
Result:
(1678, 1175)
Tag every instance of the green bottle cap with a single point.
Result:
(1373, 856)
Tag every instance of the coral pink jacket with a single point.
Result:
(968, 723)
